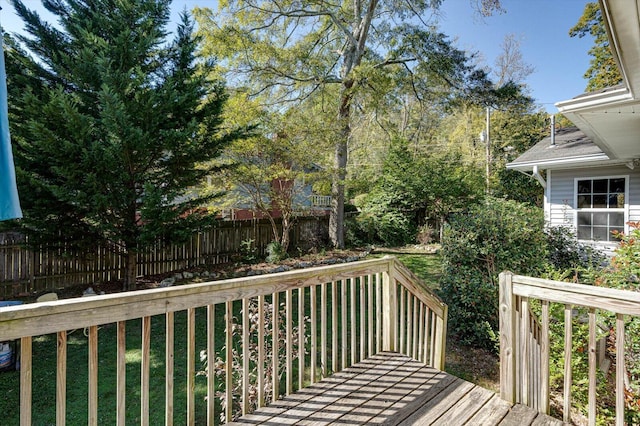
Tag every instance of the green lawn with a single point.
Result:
(428, 267)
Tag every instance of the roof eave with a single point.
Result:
(565, 163)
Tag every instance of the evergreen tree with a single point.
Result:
(112, 125)
(603, 71)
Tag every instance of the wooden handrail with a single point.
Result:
(525, 339)
(303, 317)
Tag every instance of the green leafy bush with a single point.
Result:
(275, 252)
(488, 239)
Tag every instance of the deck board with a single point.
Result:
(393, 389)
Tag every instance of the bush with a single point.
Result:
(275, 252)
(490, 238)
(568, 255)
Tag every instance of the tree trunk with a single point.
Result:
(131, 266)
(336, 219)
(286, 228)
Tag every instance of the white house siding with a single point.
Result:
(560, 207)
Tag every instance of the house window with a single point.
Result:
(600, 208)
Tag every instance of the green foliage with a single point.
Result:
(489, 238)
(275, 252)
(411, 189)
(603, 70)
(567, 254)
(113, 125)
(249, 251)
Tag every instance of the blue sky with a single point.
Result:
(542, 26)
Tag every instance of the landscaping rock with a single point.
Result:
(88, 292)
(187, 275)
(167, 282)
(178, 276)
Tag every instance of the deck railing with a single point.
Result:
(525, 339)
(262, 337)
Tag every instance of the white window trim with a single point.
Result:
(625, 209)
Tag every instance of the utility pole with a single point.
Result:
(485, 137)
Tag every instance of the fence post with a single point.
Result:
(389, 307)
(507, 338)
(441, 340)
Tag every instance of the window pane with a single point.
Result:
(616, 219)
(584, 201)
(584, 232)
(584, 186)
(600, 186)
(599, 201)
(600, 219)
(584, 219)
(616, 201)
(601, 233)
(616, 185)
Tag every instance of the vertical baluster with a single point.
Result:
(228, 363)
(93, 375)
(370, 314)
(211, 363)
(378, 313)
(421, 334)
(191, 366)
(524, 349)
(343, 314)
(592, 366)
(61, 380)
(301, 337)
(246, 355)
(289, 342)
(544, 359)
(144, 370)
(408, 349)
(402, 319)
(353, 328)
(620, 369)
(323, 330)
(169, 368)
(261, 350)
(26, 372)
(568, 344)
(334, 327)
(314, 330)
(363, 319)
(276, 347)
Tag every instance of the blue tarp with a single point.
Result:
(9, 202)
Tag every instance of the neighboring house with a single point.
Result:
(591, 173)
(305, 201)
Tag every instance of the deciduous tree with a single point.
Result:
(291, 49)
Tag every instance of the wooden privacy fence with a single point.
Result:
(526, 306)
(263, 337)
(24, 270)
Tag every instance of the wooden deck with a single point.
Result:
(393, 389)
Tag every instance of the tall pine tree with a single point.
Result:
(112, 125)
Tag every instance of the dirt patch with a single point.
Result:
(475, 365)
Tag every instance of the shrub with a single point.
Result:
(275, 252)
(488, 239)
(567, 254)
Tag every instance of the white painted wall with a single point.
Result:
(560, 197)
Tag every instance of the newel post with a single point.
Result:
(507, 338)
(389, 307)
